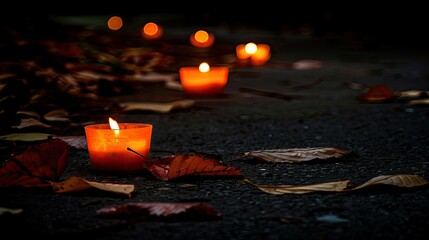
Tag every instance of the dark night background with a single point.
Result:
(376, 22)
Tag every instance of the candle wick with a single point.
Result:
(129, 149)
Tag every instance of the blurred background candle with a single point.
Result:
(202, 38)
(152, 30)
(108, 143)
(254, 54)
(203, 80)
(114, 23)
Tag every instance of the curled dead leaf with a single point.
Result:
(36, 166)
(338, 186)
(400, 180)
(171, 167)
(377, 93)
(296, 155)
(76, 184)
(13, 211)
(156, 107)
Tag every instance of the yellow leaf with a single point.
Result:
(76, 184)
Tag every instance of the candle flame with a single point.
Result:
(251, 48)
(204, 67)
(113, 124)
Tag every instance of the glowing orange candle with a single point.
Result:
(255, 54)
(114, 23)
(202, 39)
(152, 30)
(108, 145)
(203, 80)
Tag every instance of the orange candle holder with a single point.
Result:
(108, 148)
(199, 82)
(253, 54)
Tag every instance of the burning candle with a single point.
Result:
(255, 54)
(152, 30)
(203, 80)
(108, 145)
(202, 39)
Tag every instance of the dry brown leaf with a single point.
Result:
(377, 93)
(173, 85)
(419, 102)
(26, 137)
(171, 167)
(36, 166)
(153, 77)
(76, 184)
(13, 211)
(156, 107)
(29, 114)
(401, 180)
(58, 115)
(338, 186)
(31, 122)
(296, 155)
(411, 94)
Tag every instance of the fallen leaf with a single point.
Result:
(156, 107)
(12, 211)
(58, 115)
(419, 102)
(163, 211)
(402, 180)
(338, 186)
(31, 122)
(78, 142)
(76, 184)
(307, 64)
(173, 85)
(377, 93)
(170, 167)
(296, 155)
(153, 77)
(26, 137)
(36, 166)
(412, 94)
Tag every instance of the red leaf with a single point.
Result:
(36, 166)
(167, 211)
(169, 167)
(377, 93)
